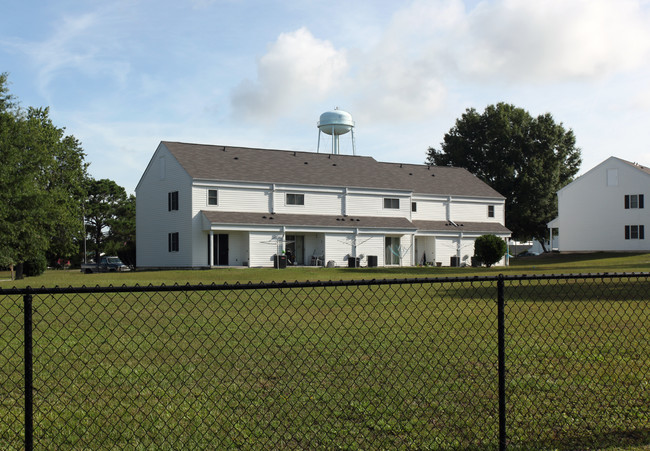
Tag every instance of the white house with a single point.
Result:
(206, 205)
(604, 209)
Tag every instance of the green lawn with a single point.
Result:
(544, 264)
(377, 367)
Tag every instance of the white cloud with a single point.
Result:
(297, 69)
(553, 40)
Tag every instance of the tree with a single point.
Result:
(121, 237)
(526, 159)
(489, 249)
(40, 184)
(104, 200)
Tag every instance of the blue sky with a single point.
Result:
(123, 75)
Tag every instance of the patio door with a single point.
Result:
(392, 247)
(220, 250)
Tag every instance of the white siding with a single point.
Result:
(476, 211)
(232, 199)
(153, 220)
(238, 254)
(592, 213)
(338, 248)
(262, 249)
(430, 210)
(359, 204)
(371, 245)
(407, 250)
(316, 203)
(446, 247)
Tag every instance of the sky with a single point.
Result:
(123, 75)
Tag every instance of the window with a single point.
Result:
(213, 198)
(633, 201)
(391, 203)
(172, 242)
(634, 232)
(295, 199)
(172, 201)
(490, 211)
(414, 206)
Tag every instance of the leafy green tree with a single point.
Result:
(121, 235)
(103, 205)
(41, 171)
(489, 249)
(526, 159)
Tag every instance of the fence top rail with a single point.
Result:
(310, 284)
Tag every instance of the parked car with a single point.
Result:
(105, 264)
(528, 254)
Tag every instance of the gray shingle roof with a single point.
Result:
(637, 166)
(227, 163)
(364, 222)
(446, 226)
(237, 218)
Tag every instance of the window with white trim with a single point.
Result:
(172, 242)
(172, 201)
(490, 211)
(213, 197)
(295, 199)
(391, 202)
(414, 206)
(634, 232)
(633, 201)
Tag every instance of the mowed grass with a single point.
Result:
(552, 263)
(374, 367)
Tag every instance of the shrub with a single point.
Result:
(489, 249)
(35, 266)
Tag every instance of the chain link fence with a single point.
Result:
(481, 363)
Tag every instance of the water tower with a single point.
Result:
(336, 123)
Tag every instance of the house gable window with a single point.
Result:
(634, 232)
(633, 201)
(172, 242)
(390, 202)
(172, 201)
(295, 199)
(213, 197)
(490, 211)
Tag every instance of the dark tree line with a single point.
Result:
(44, 187)
(526, 159)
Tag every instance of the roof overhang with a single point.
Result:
(449, 227)
(216, 220)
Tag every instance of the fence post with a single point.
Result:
(502, 361)
(29, 377)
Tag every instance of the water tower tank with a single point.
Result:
(336, 123)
